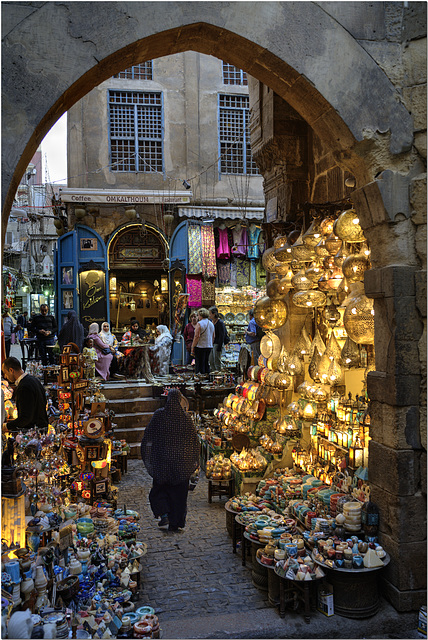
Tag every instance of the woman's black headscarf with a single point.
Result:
(170, 446)
(72, 331)
(138, 331)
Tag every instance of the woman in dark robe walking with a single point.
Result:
(170, 451)
(72, 331)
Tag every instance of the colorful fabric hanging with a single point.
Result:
(209, 266)
(253, 273)
(223, 273)
(233, 272)
(260, 275)
(223, 249)
(195, 249)
(240, 242)
(194, 289)
(208, 292)
(253, 240)
(242, 272)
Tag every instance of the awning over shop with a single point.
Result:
(233, 213)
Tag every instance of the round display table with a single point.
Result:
(232, 526)
(355, 591)
(259, 572)
(273, 583)
(291, 592)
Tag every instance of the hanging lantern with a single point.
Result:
(322, 283)
(335, 279)
(270, 345)
(301, 282)
(270, 314)
(280, 242)
(347, 227)
(273, 290)
(79, 212)
(323, 367)
(326, 226)
(168, 218)
(332, 348)
(284, 382)
(312, 236)
(354, 266)
(303, 344)
(359, 319)
(282, 269)
(333, 244)
(282, 360)
(350, 354)
(284, 285)
(313, 365)
(309, 299)
(283, 253)
(301, 252)
(294, 365)
(269, 261)
(335, 372)
(331, 314)
(340, 256)
(131, 213)
(317, 343)
(320, 249)
(314, 272)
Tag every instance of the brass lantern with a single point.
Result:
(333, 349)
(350, 354)
(317, 344)
(301, 282)
(282, 269)
(272, 289)
(279, 242)
(269, 261)
(283, 253)
(320, 249)
(353, 267)
(333, 244)
(312, 236)
(359, 319)
(327, 226)
(309, 299)
(303, 344)
(348, 228)
(301, 252)
(270, 314)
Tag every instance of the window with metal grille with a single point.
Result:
(136, 131)
(235, 149)
(233, 75)
(143, 71)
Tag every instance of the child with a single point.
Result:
(90, 357)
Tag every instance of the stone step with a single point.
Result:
(134, 405)
(131, 435)
(132, 420)
(126, 389)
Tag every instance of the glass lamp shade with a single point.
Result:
(350, 354)
(319, 394)
(284, 285)
(335, 372)
(332, 348)
(320, 249)
(317, 344)
(270, 345)
(322, 283)
(312, 236)
(284, 382)
(340, 256)
(303, 344)
(301, 282)
(359, 319)
(301, 252)
(309, 299)
(335, 279)
(294, 365)
(282, 269)
(326, 226)
(353, 267)
(347, 227)
(323, 367)
(283, 253)
(314, 272)
(333, 244)
(328, 263)
(270, 314)
(269, 261)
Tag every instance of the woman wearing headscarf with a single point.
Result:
(170, 451)
(161, 351)
(109, 339)
(105, 357)
(135, 334)
(72, 331)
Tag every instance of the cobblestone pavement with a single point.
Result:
(200, 589)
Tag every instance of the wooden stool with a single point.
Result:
(220, 488)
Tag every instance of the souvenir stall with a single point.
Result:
(303, 501)
(70, 554)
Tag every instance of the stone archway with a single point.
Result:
(54, 53)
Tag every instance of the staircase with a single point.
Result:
(133, 405)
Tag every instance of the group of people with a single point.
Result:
(42, 327)
(205, 336)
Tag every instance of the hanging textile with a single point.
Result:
(208, 292)
(223, 273)
(240, 241)
(233, 272)
(253, 273)
(223, 249)
(209, 267)
(242, 272)
(194, 289)
(253, 239)
(195, 249)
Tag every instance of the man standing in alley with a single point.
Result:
(8, 327)
(22, 325)
(253, 335)
(219, 339)
(29, 395)
(45, 327)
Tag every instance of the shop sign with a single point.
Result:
(272, 210)
(92, 289)
(92, 196)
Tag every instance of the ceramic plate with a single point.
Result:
(229, 317)
(240, 317)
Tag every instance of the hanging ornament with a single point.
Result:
(340, 256)
(359, 319)
(314, 271)
(320, 249)
(294, 365)
(269, 261)
(312, 236)
(280, 242)
(282, 360)
(332, 348)
(272, 289)
(283, 253)
(335, 372)
(270, 314)
(350, 354)
(314, 364)
(326, 226)
(335, 279)
(285, 283)
(317, 344)
(303, 344)
(333, 244)
(301, 282)
(301, 252)
(309, 299)
(354, 266)
(282, 269)
(323, 367)
(322, 283)
(347, 227)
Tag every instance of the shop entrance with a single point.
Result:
(138, 277)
